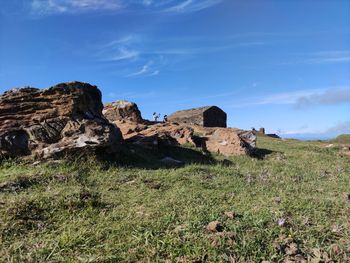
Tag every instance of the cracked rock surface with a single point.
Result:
(64, 118)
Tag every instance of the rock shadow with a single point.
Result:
(163, 157)
(260, 154)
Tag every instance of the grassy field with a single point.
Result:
(290, 203)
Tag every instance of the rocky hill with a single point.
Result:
(70, 117)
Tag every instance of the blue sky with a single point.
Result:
(283, 64)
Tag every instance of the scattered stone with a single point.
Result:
(231, 195)
(345, 150)
(61, 178)
(215, 226)
(329, 145)
(291, 249)
(326, 174)
(179, 228)
(336, 228)
(307, 221)
(219, 237)
(152, 184)
(130, 182)
(250, 178)
(277, 199)
(230, 214)
(336, 249)
(281, 157)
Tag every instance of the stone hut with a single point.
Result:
(209, 116)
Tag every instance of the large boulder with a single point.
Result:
(227, 141)
(122, 110)
(61, 119)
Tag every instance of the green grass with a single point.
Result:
(343, 138)
(91, 211)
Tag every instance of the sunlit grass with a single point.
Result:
(88, 211)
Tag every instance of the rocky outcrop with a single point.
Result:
(210, 116)
(226, 141)
(61, 119)
(151, 135)
(122, 110)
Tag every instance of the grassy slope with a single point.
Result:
(89, 212)
(343, 138)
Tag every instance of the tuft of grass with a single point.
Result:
(290, 202)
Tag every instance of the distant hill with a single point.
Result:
(343, 138)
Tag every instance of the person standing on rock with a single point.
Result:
(156, 116)
(165, 118)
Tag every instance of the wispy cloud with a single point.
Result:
(50, 7)
(330, 57)
(192, 6)
(54, 7)
(323, 57)
(156, 54)
(146, 70)
(123, 53)
(120, 41)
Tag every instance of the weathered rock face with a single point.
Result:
(151, 135)
(122, 110)
(226, 141)
(57, 120)
(210, 116)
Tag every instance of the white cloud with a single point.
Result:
(54, 7)
(323, 57)
(124, 54)
(335, 56)
(192, 6)
(50, 7)
(146, 70)
(328, 97)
